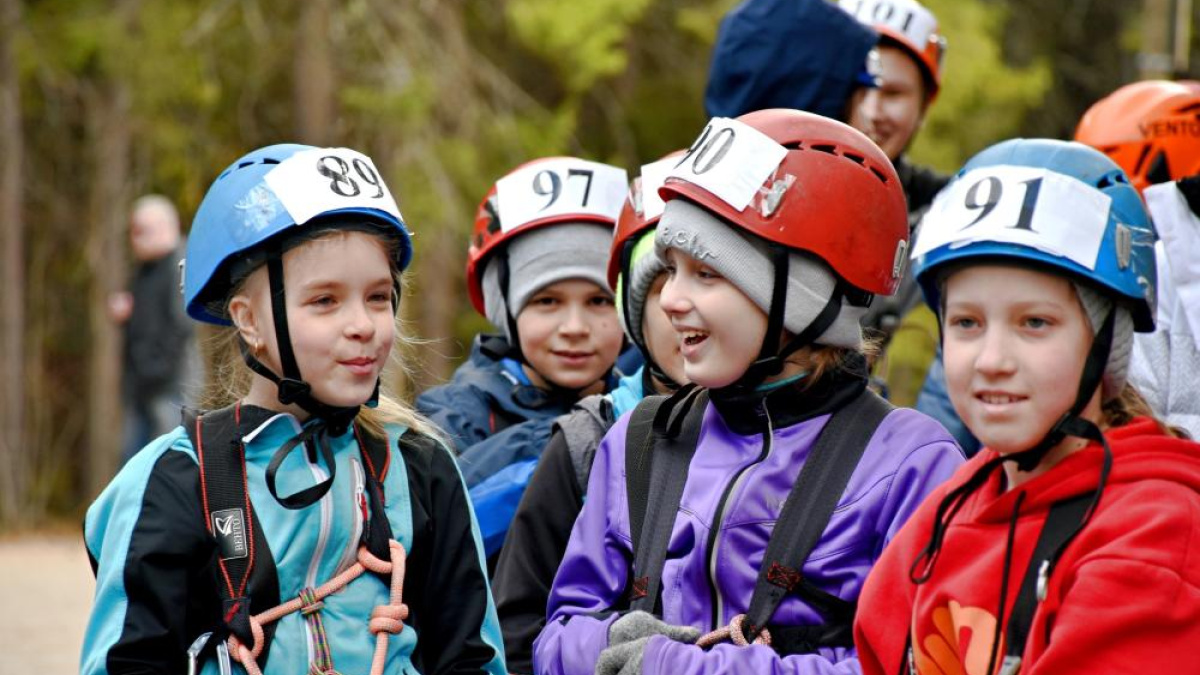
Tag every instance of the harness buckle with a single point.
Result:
(1011, 665)
(1043, 580)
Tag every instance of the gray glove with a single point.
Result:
(623, 659)
(637, 625)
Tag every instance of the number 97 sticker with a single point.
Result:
(320, 180)
(1031, 207)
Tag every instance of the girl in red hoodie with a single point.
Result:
(1071, 544)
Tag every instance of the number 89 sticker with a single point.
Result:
(1042, 209)
(320, 180)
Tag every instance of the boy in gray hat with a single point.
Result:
(536, 270)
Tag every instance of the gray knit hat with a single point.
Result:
(644, 268)
(541, 257)
(1097, 305)
(746, 262)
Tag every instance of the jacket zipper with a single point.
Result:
(359, 511)
(718, 606)
(310, 579)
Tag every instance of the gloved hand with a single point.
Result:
(623, 659)
(637, 625)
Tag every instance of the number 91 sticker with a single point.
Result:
(1032, 207)
(320, 180)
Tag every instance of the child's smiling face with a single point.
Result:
(1015, 342)
(339, 304)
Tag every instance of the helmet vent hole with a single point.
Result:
(268, 160)
(246, 164)
(1191, 107)
(857, 159)
(826, 147)
(880, 175)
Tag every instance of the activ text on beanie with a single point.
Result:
(542, 257)
(746, 262)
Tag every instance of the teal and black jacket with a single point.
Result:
(157, 573)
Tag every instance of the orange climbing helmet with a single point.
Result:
(1150, 128)
(909, 25)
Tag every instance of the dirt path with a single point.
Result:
(46, 589)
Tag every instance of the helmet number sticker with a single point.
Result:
(653, 176)
(338, 171)
(916, 23)
(731, 160)
(1026, 206)
(563, 187)
(317, 181)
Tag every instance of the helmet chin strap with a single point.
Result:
(1072, 423)
(772, 357)
(328, 421)
(513, 350)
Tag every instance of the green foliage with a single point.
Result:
(583, 41)
(982, 100)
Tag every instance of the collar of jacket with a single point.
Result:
(745, 414)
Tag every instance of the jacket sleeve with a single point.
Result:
(591, 581)
(145, 536)
(533, 550)
(459, 631)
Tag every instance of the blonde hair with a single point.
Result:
(229, 378)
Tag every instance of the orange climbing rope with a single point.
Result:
(385, 619)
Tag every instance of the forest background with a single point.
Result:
(104, 100)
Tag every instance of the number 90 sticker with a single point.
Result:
(731, 160)
(560, 187)
(1042, 209)
(316, 181)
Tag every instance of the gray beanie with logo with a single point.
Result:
(541, 257)
(745, 261)
(1097, 305)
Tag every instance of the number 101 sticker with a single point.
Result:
(315, 181)
(1043, 209)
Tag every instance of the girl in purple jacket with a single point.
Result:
(779, 228)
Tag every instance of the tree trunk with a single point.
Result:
(14, 474)
(314, 75)
(109, 139)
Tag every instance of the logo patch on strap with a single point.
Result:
(229, 526)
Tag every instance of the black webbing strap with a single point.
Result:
(246, 580)
(806, 513)
(1062, 523)
(658, 453)
(378, 531)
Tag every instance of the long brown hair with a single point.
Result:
(1123, 408)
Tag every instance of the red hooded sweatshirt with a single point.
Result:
(1123, 598)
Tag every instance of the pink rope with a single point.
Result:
(385, 619)
(733, 633)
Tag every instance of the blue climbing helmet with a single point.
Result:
(1057, 204)
(273, 191)
(263, 204)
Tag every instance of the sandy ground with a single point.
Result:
(46, 589)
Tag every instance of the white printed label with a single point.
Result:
(560, 187)
(312, 182)
(908, 18)
(731, 160)
(653, 177)
(1031, 207)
